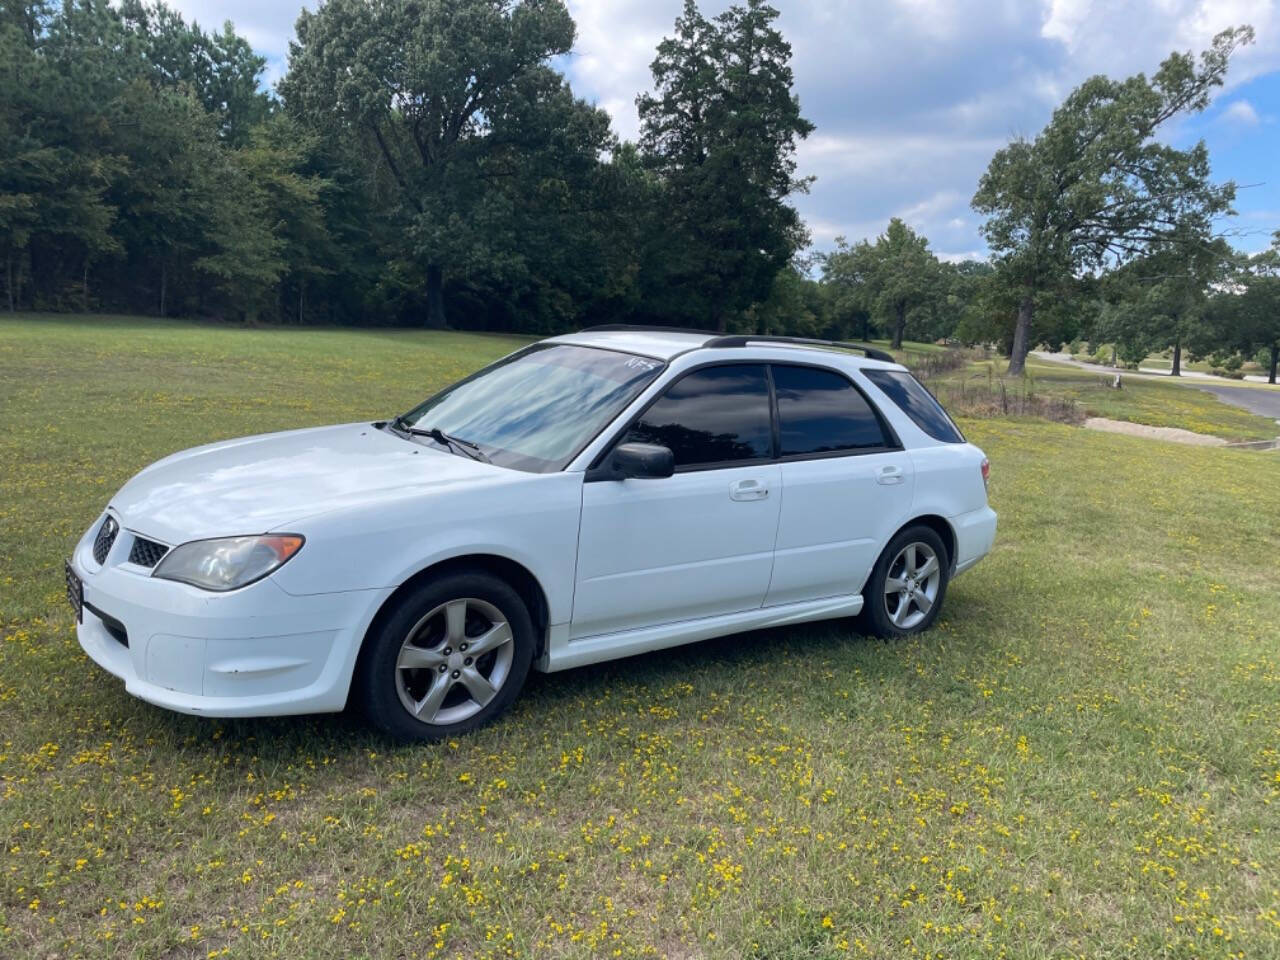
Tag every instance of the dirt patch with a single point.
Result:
(1176, 434)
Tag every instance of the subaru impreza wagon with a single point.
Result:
(592, 496)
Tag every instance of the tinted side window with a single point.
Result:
(820, 411)
(716, 415)
(917, 403)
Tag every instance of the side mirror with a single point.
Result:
(643, 461)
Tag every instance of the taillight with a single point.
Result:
(986, 472)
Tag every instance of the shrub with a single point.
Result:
(985, 397)
(930, 365)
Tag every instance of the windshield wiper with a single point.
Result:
(465, 447)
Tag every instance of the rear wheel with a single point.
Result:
(906, 588)
(450, 658)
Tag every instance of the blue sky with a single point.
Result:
(912, 97)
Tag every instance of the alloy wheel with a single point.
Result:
(911, 585)
(454, 661)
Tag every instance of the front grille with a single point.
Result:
(146, 553)
(105, 538)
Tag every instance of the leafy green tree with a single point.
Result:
(162, 194)
(137, 168)
(220, 69)
(845, 280)
(896, 277)
(1159, 301)
(1249, 315)
(962, 287)
(794, 307)
(58, 78)
(1095, 187)
(955, 293)
(440, 95)
(721, 132)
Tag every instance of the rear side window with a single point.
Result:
(820, 411)
(716, 415)
(917, 403)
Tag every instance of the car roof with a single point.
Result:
(659, 344)
(668, 343)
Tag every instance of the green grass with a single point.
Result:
(1146, 400)
(1158, 362)
(1082, 759)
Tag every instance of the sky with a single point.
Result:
(910, 98)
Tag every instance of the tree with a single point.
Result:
(845, 282)
(1095, 187)
(274, 230)
(721, 133)
(58, 78)
(220, 69)
(794, 306)
(963, 284)
(163, 193)
(1159, 301)
(432, 91)
(895, 276)
(1254, 314)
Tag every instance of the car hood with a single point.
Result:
(266, 483)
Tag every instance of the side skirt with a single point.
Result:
(563, 653)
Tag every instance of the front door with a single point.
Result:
(696, 544)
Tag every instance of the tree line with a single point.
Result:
(423, 162)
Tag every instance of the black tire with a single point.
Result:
(385, 689)
(883, 617)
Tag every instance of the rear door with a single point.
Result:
(846, 485)
(698, 543)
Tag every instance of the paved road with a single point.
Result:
(1264, 402)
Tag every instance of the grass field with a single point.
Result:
(1141, 400)
(1082, 759)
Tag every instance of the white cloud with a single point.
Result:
(267, 25)
(1122, 36)
(1241, 112)
(959, 256)
(886, 155)
(616, 43)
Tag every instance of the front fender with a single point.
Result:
(532, 520)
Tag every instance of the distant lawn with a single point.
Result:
(1083, 759)
(1160, 362)
(1140, 400)
(910, 347)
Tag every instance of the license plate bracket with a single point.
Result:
(75, 591)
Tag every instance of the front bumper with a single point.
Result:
(257, 651)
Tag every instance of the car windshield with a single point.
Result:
(537, 409)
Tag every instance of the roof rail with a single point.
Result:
(645, 328)
(741, 339)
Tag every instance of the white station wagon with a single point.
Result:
(591, 496)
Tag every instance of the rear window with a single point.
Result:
(917, 403)
(822, 412)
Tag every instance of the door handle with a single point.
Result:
(889, 475)
(748, 490)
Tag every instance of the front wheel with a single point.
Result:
(450, 658)
(907, 585)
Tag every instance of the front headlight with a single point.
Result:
(229, 562)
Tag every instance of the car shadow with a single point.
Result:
(725, 662)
